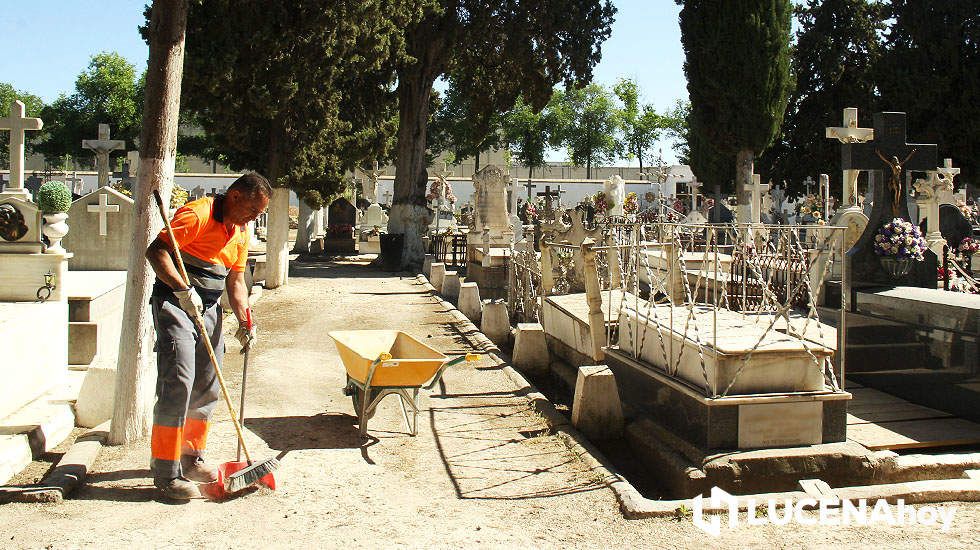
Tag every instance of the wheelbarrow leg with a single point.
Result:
(405, 403)
(363, 413)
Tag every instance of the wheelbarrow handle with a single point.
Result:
(469, 357)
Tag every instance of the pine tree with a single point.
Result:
(931, 70)
(737, 67)
(837, 48)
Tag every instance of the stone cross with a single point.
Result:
(102, 147)
(548, 194)
(18, 123)
(808, 183)
(757, 189)
(850, 133)
(103, 209)
(529, 188)
(694, 185)
(74, 183)
(560, 193)
(388, 198)
(370, 187)
(930, 193)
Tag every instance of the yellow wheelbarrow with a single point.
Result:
(385, 362)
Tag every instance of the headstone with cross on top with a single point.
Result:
(889, 152)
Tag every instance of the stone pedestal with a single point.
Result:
(596, 410)
(495, 323)
(450, 286)
(469, 302)
(34, 354)
(438, 274)
(530, 349)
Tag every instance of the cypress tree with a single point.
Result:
(737, 60)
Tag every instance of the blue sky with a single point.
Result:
(49, 42)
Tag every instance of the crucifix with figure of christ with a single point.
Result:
(887, 150)
(102, 147)
(548, 194)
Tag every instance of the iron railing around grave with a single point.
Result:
(449, 248)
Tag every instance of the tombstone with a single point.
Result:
(615, 189)
(197, 193)
(369, 187)
(101, 231)
(490, 192)
(888, 152)
(341, 220)
(75, 183)
(756, 192)
(777, 195)
(373, 224)
(102, 147)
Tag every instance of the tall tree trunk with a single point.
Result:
(744, 168)
(476, 163)
(277, 229)
(409, 214)
(135, 374)
(588, 168)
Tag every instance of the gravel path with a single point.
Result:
(482, 472)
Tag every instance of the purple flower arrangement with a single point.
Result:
(969, 246)
(900, 239)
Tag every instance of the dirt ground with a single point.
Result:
(482, 472)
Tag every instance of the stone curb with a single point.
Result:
(634, 505)
(70, 472)
(627, 496)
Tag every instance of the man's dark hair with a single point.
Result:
(252, 184)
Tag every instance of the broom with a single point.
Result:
(255, 470)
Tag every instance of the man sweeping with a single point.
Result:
(214, 244)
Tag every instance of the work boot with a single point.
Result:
(177, 488)
(195, 469)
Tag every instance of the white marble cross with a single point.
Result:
(103, 209)
(850, 133)
(18, 123)
(946, 172)
(102, 147)
(388, 198)
(758, 188)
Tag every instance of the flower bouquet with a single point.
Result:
(341, 231)
(632, 204)
(899, 243)
(601, 202)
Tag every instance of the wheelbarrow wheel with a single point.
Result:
(356, 397)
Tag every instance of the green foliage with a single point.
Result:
(107, 92)
(456, 126)
(737, 67)
(639, 124)
(53, 197)
(529, 132)
(33, 105)
(492, 52)
(931, 70)
(837, 47)
(300, 91)
(590, 132)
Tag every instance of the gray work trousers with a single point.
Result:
(187, 387)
